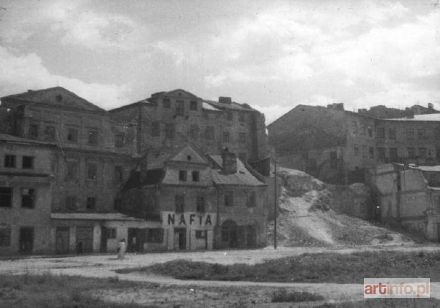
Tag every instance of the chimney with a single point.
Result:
(229, 161)
(225, 100)
(409, 113)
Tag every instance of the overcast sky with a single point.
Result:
(272, 55)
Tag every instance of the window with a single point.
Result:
(155, 129)
(194, 131)
(241, 117)
(179, 201)
(49, 133)
(92, 171)
(380, 133)
(154, 235)
(364, 151)
(117, 203)
(355, 127)
(92, 136)
(9, 161)
(111, 233)
(91, 203)
(71, 203)
(119, 174)
(5, 197)
(72, 135)
(422, 152)
(229, 116)
(72, 170)
(421, 134)
(242, 137)
(119, 140)
(381, 154)
(169, 130)
(27, 162)
(5, 237)
(193, 105)
(251, 199)
(225, 137)
(370, 132)
(371, 152)
(182, 175)
(33, 131)
(392, 133)
(411, 152)
(209, 133)
(195, 176)
(393, 154)
(229, 198)
(166, 102)
(356, 150)
(200, 234)
(180, 108)
(200, 204)
(28, 198)
(409, 134)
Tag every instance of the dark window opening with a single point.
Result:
(241, 117)
(5, 197)
(155, 129)
(242, 137)
(195, 176)
(333, 160)
(28, 162)
(380, 132)
(72, 135)
(91, 203)
(33, 131)
(169, 130)
(392, 133)
(200, 204)
(200, 234)
(229, 116)
(92, 171)
(193, 105)
(92, 137)
(9, 161)
(166, 103)
(28, 198)
(182, 175)
(111, 233)
(119, 140)
(229, 198)
(411, 152)
(119, 174)
(209, 133)
(154, 235)
(49, 133)
(252, 199)
(225, 137)
(71, 170)
(71, 203)
(179, 201)
(180, 108)
(5, 237)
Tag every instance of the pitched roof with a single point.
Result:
(55, 96)
(232, 105)
(242, 177)
(432, 117)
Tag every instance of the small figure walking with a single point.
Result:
(121, 249)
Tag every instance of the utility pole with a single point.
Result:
(275, 210)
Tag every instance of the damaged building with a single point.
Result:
(66, 166)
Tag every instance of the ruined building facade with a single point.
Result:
(64, 164)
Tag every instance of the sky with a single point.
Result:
(272, 55)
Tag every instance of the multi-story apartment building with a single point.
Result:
(90, 154)
(338, 145)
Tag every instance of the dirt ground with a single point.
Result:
(187, 291)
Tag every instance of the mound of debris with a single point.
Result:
(311, 213)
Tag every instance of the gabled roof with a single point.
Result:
(242, 177)
(56, 96)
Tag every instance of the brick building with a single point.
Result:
(337, 146)
(90, 153)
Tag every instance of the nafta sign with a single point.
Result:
(188, 219)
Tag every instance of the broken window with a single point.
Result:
(5, 197)
(92, 136)
(195, 176)
(229, 198)
(154, 235)
(179, 201)
(91, 203)
(27, 162)
(49, 133)
(72, 135)
(33, 131)
(9, 161)
(200, 204)
(5, 237)
(182, 175)
(28, 198)
(251, 199)
(92, 171)
(119, 140)
(155, 129)
(193, 105)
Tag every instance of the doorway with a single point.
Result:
(26, 241)
(62, 240)
(180, 238)
(84, 239)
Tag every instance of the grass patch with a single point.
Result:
(282, 296)
(56, 291)
(322, 267)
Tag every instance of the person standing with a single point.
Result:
(122, 249)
